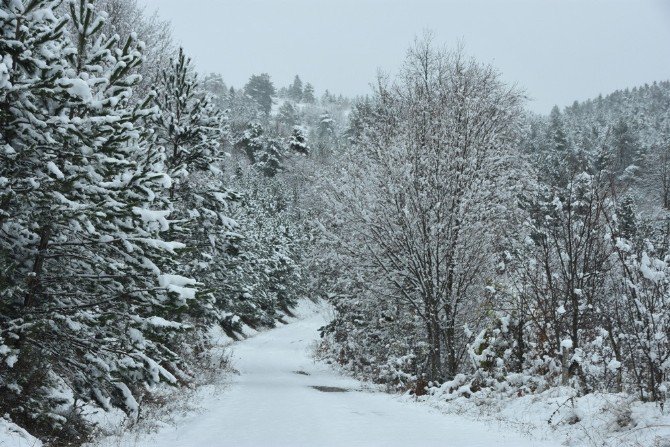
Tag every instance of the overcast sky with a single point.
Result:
(557, 50)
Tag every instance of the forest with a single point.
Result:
(467, 246)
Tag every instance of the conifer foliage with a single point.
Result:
(114, 235)
(83, 222)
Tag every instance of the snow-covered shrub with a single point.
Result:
(492, 351)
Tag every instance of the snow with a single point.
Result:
(129, 400)
(614, 365)
(11, 360)
(653, 271)
(78, 88)
(597, 419)
(54, 170)
(622, 245)
(11, 435)
(159, 216)
(272, 402)
(177, 284)
(5, 62)
(163, 323)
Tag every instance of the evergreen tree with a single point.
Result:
(261, 90)
(189, 126)
(627, 218)
(308, 94)
(295, 91)
(127, 18)
(83, 225)
(263, 152)
(266, 278)
(326, 135)
(214, 85)
(287, 116)
(298, 141)
(270, 159)
(191, 129)
(625, 147)
(252, 142)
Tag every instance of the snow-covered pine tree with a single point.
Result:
(297, 142)
(308, 94)
(214, 84)
(190, 129)
(296, 89)
(265, 153)
(262, 90)
(30, 67)
(326, 135)
(268, 276)
(287, 115)
(87, 317)
(270, 159)
(252, 141)
(127, 17)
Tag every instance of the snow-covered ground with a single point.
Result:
(11, 435)
(592, 420)
(273, 402)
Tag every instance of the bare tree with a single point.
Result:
(423, 188)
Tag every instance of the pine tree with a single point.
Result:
(287, 116)
(261, 90)
(265, 153)
(270, 159)
(191, 130)
(308, 94)
(326, 135)
(252, 142)
(190, 127)
(214, 85)
(82, 223)
(298, 141)
(267, 276)
(295, 91)
(627, 218)
(625, 146)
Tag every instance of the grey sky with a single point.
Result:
(557, 50)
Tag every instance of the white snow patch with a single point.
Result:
(177, 284)
(78, 88)
(11, 435)
(54, 170)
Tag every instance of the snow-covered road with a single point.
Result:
(272, 403)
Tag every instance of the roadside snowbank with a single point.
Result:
(598, 419)
(11, 435)
(171, 405)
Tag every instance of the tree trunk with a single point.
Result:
(34, 279)
(435, 345)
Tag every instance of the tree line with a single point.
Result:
(460, 238)
(476, 244)
(142, 206)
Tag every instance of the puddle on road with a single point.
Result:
(330, 389)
